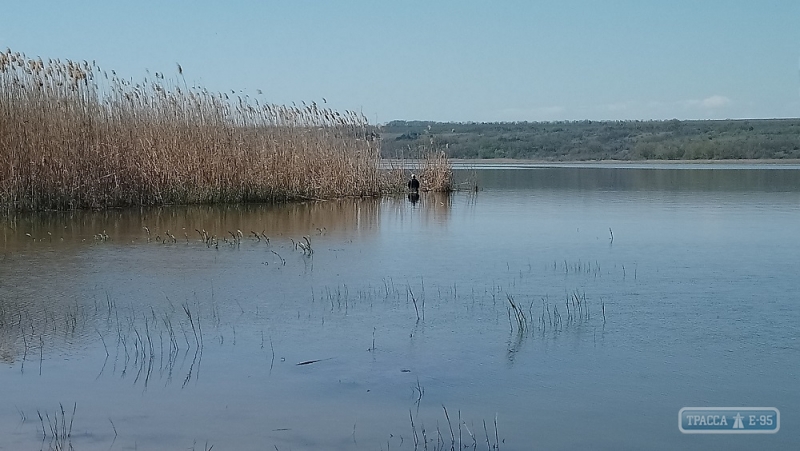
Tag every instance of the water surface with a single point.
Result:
(405, 309)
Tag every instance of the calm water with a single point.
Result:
(404, 310)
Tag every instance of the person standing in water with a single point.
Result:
(413, 184)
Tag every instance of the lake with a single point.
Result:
(558, 307)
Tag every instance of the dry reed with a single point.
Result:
(436, 172)
(75, 136)
(429, 163)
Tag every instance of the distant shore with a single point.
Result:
(512, 161)
(691, 140)
(460, 163)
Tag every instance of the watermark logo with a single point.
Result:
(729, 420)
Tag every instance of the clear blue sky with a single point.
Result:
(447, 60)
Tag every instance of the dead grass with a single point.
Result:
(75, 136)
(436, 172)
(431, 166)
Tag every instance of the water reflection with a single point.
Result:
(137, 339)
(185, 222)
(32, 325)
(50, 258)
(481, 301)
(432, 207)
(641, 179)
(64, 272)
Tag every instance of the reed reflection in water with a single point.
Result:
(507, 301)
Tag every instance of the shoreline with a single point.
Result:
(500, 163)
(411, 162)
(511, 161)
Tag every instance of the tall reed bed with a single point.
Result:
(431, 166)
(436, 171)
(75, 136)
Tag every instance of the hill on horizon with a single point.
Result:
(597, 140)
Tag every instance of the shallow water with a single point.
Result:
(404, 311)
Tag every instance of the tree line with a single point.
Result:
(597, 140)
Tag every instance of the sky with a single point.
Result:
(462, 61)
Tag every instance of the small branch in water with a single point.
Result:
(41, 420)
(488, 444)
(373, 341)
(414, 300)
(309, 362)
(420, 391)
(279, 256)
(603, 307)
(413, 429)
(452, 435)
(272, 362)
(496, 435)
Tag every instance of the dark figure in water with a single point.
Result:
(413, 184)
(413, 198)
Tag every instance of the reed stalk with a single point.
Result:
(73, 135)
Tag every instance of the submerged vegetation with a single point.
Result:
(145, 341)
(73, 135)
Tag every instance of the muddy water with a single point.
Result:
(510, 316)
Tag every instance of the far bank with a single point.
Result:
(739, 139)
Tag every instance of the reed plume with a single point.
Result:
(73, 136)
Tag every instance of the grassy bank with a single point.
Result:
(75, 136)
